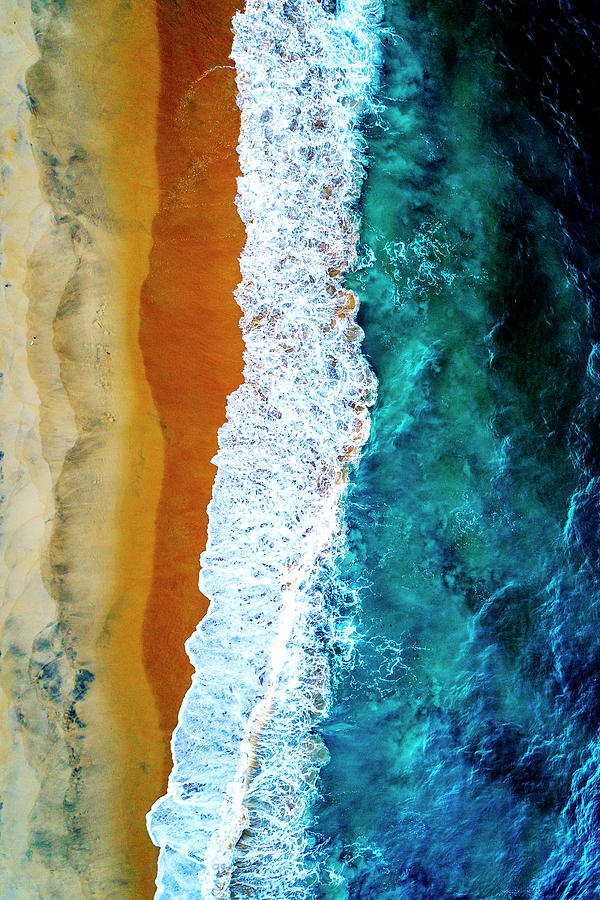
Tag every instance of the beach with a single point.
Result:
(394, 509)
(120, 242)
(189, 334)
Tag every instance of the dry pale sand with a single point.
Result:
(119, 344)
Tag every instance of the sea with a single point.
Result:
(397, 688)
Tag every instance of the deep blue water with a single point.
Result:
(464, 751)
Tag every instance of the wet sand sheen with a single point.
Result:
(189, 333)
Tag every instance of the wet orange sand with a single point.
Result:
(192, 351)
(189, 332)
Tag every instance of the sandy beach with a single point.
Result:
(120, 343)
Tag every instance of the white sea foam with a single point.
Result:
(245, 753)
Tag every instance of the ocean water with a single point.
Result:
(397, 691)
(464, 740)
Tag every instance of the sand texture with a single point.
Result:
(111, 177)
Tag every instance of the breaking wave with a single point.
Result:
(246, 755)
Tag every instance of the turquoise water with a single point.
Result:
(463, 755)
